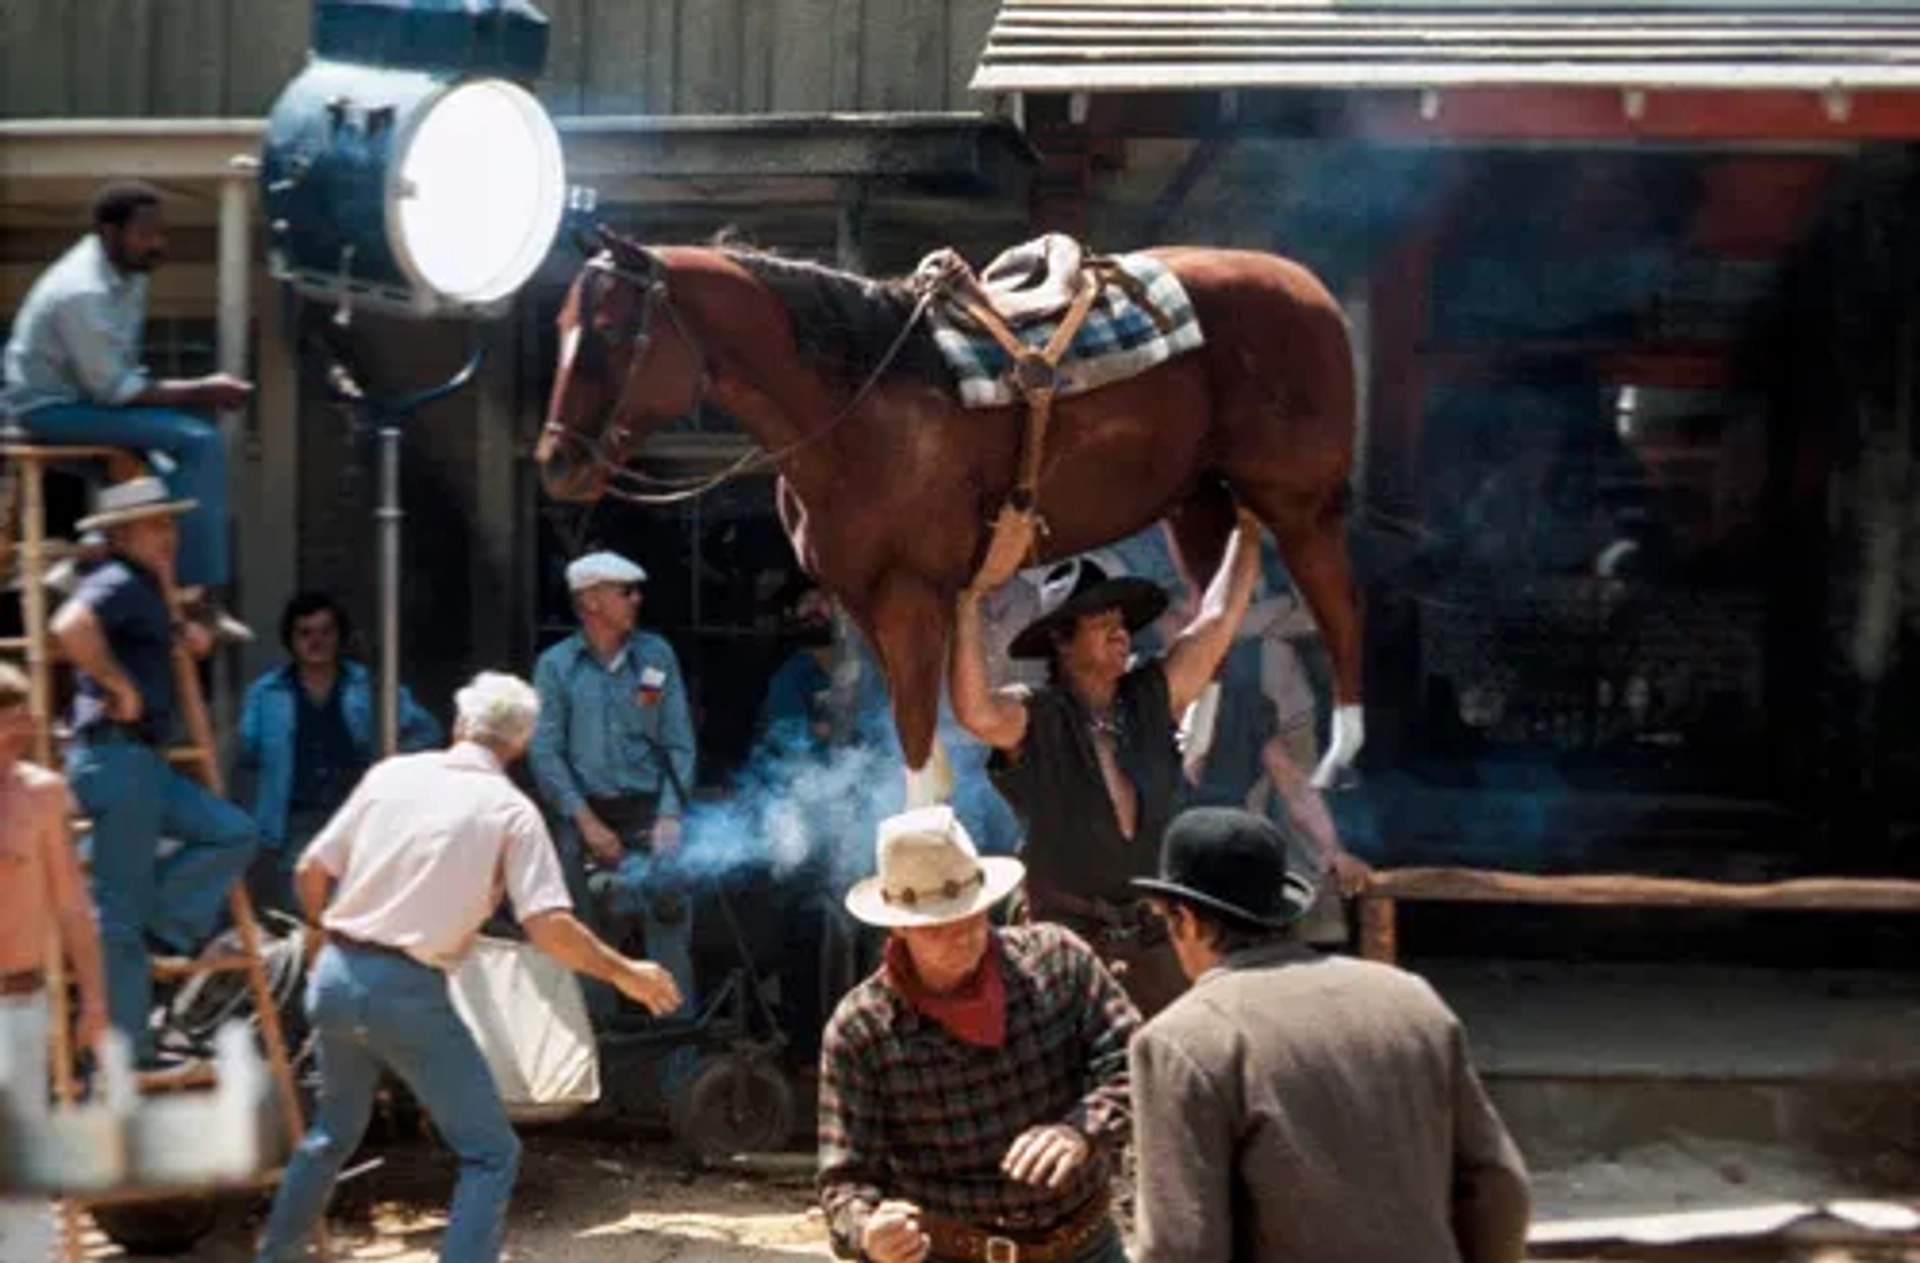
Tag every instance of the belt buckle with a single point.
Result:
(1001, 1250)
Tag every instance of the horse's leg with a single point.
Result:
(908, 619)
(1310, 528)
(1198, 531)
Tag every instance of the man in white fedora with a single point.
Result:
(973, 1091)
(118, 630)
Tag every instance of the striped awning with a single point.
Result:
(1153, 45)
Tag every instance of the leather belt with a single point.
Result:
(353, 944)
(23, 982)
(964, 1243)
(113, 732)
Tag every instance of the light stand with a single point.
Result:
(385, 417)
(408, 168)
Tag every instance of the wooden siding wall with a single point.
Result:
(198, 58)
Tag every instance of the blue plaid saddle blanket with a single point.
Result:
(1030, 286)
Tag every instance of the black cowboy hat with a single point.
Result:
(1233, 863)
(1080, 586)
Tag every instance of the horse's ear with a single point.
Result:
(620, 245)
(588, 239)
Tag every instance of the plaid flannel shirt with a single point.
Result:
(908, 1111)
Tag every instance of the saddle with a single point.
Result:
(1050, 278)
(1034, 280)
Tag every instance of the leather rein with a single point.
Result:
(608, 451)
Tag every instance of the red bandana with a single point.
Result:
(975, 1012)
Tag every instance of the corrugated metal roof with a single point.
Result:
(1118, 45)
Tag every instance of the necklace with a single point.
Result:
(1104, 725)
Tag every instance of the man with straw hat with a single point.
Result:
(973, 1091)
(1294, 1106)
(119, 631)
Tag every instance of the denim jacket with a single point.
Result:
(267, 736)
(595, 736)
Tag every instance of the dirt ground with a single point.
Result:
(580, 1199)
(589, 1198)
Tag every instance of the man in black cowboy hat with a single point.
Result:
(1088, 760)
(1294, 1106)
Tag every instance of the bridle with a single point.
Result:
(607, 452)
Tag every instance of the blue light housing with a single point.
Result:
(430, 182)
(507, 38)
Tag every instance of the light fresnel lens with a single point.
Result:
(476, 191)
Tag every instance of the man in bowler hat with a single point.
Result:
(1295, 1107)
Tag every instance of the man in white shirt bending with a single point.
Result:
(399, 882)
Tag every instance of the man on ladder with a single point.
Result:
(73, 376)
(119, 629)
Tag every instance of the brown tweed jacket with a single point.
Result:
(1294, 1108)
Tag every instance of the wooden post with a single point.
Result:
(1379, 929)
(33, 603)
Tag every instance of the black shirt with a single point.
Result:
(326, 760)
(131, 608)
(1054, 783)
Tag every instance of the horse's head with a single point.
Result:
(627, 364)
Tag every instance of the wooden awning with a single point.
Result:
(1146, 45)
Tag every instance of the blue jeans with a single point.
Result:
(134, 799)
(627, 892)
(378, 1010)
(200, 469)
(610, 899)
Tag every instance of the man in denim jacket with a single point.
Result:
(614, 757)
(307, 732)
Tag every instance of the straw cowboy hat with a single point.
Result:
(1233, 863)
(1080, 586)
(131, 501)
(930, 873)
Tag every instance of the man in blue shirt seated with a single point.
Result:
(118, 631)
(307, 732)
(74, 376)
(614, 758)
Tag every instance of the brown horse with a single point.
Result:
(887, 484)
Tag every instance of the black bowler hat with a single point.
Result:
(1231, 862)
(1080, 585)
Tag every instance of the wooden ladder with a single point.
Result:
(23, 535)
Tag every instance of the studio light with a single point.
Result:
(407, 167)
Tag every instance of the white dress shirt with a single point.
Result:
(424, 849)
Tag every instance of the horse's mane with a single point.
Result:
(845, 324)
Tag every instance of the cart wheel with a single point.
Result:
(158, 1227)
(733, 1104)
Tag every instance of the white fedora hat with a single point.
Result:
(132, 500)
(930, 873)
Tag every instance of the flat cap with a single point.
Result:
(595, 569)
